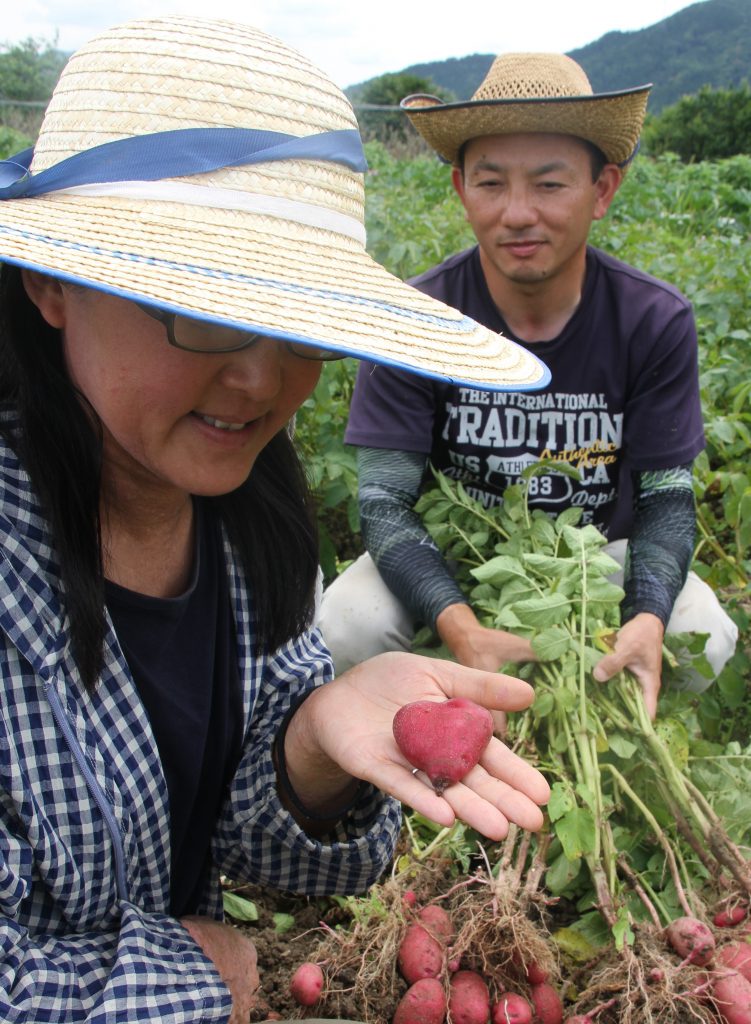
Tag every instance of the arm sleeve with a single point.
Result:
(258, 839)
(150, 963)
(661, 545)
(406, 557)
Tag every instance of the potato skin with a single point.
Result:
(420, 955)
(731, 995)
(469, 999)
(547, 1004)
(445, 739)
(736, 956)
(511, 1008)
(422, 1003)
(437, 922)
(307, 984)
(691, 939)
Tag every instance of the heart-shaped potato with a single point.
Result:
(445, 739)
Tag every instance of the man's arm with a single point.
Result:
(413, 568)
(658, 557)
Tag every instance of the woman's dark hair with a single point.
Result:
(270, 519)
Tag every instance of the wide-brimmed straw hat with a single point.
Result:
(534, 92)
(206, 167)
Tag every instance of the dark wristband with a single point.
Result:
(281, 769)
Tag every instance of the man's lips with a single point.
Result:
(522, 247)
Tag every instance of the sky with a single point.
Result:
(354, 40)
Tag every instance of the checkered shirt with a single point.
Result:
(85, 933)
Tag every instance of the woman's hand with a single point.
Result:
(344, 729)
(234, 956)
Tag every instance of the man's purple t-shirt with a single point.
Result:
(623, 396)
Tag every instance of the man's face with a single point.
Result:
(531, 201)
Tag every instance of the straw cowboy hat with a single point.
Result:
(534, 92)
(207, 168)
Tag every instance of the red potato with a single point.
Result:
(728, 917)
(547, 1004)
(691, 939)
(535, 974)
(420, 955)
(445, 739)
(422, 1003)
(469, 999)
(307, 984)
(736, 956)
(436, 921)
(511, 1008)
(731, 995)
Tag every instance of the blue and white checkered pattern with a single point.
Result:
(84, 930)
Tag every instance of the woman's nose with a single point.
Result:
(257, 370)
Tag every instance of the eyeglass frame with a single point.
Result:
(167, 319)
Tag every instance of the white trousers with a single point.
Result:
(360, 617)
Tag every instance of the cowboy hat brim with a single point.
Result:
(611, 121)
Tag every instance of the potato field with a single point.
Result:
(632, 905)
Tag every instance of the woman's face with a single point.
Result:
(172, 420)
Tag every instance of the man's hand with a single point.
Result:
(638, 648)
(234, 956)
(344, 729)
(477, 646)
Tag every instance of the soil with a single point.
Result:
(280, 953)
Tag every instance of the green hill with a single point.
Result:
(708, 43)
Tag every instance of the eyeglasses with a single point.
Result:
(201, 336)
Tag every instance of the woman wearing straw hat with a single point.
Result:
(180, 254)
(536, 158)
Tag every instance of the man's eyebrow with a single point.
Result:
(491, 165)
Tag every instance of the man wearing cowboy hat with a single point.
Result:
(536, 159)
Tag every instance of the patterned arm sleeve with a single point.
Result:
(661, 545)
(402, 549)
(258, 840)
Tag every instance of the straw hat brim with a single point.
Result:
(257, 272)
(611, 121)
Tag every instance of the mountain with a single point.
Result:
(708, 43)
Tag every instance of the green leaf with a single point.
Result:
(622, 931)
(543, 704)
(569, 517)
(673, 734)
(239, 908)
(552, 643)
(283, 923)
(561, 873)
(574, 944)
(550, 565)
(603, 590)
(561, 801)
(576, 831)
(539, 612)
(499, 570)
(621, 746)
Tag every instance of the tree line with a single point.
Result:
(709, 125)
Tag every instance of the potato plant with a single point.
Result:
(634, 834)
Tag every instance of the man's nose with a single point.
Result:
(518, 209)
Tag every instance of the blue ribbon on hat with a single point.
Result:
(175, 154)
